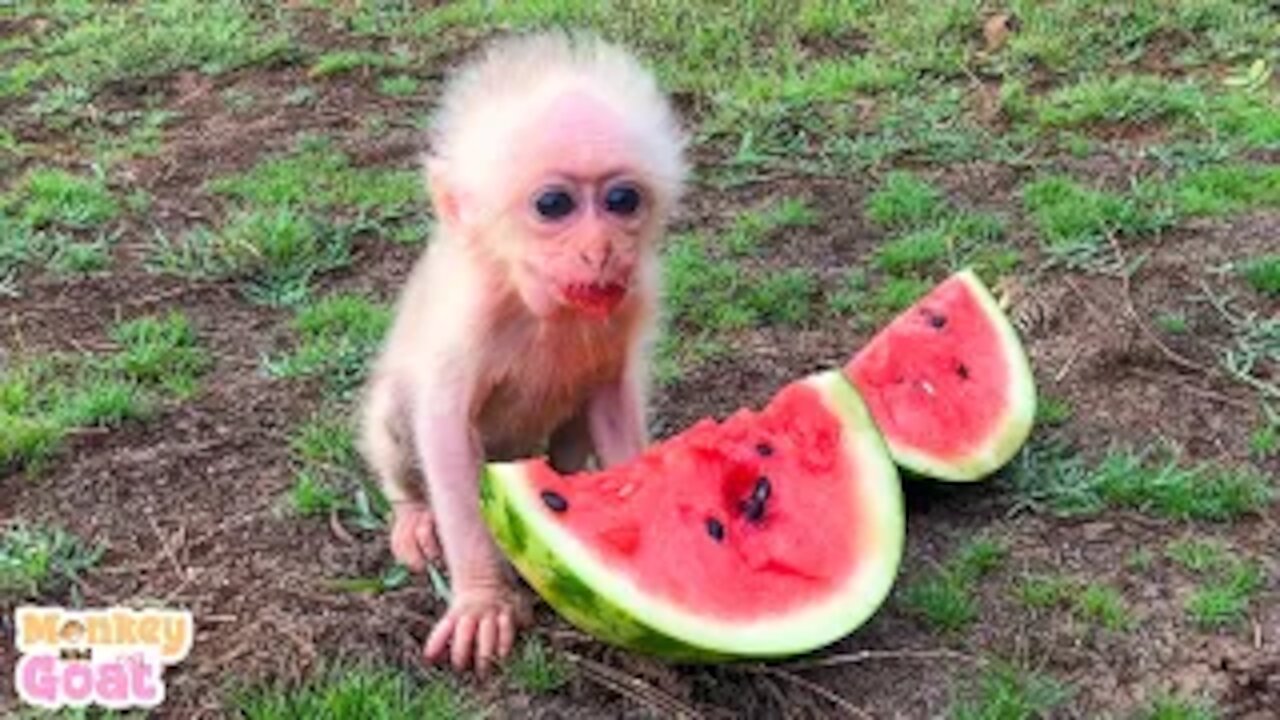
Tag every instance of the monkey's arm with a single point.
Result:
(450, 451)
(616, 417)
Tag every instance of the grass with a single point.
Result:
(277, 252)
(318, 176)
(340, 62)
(1227, 189)
(349, 693)
(1091, 602)
(330, 475)
(1050, 475)
(1174, 707)
(944, 598)
(1228, 581)
(44, 400)
(1074, 221)
(37, 561)
(536, 669)
(337, 337)
(709, 293)
(51, 197)
(293, 218)
(399, 86)
(1042, 591)
(1052, 411)
(1263, 274)
(1226, 602)
(1199, 556)
(91, 47)
(904, 200)
(1104, 606)
(1006, 692)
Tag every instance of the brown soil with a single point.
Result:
(189, 503)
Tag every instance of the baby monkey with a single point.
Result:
(556, 163)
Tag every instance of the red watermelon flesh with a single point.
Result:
(948, 383)
(771, 532)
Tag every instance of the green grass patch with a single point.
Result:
(1200, 556)
(1225, 602)
(345, 61)
(710, 293)
(1042, 591)
(330, 475)
(1052, 411)
(399, 86)
(1120, 99)
(91, 46)
(1074, 221)
(536, 669)
(317, 176)
(944, 598)
(1229, 581)
(1104, 606)
(1263, 274)
(1151, 482)
(41, 401)
(904, 200)
(349, 693)
(1226, 189)
(277, 252)
(37, 561)
(54, 197)
(1174, 707)
(337, 337)
(1006, 692)
(895, 295)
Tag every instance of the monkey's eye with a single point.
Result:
(554, 204)
(623, 199)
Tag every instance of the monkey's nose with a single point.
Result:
(597, 259)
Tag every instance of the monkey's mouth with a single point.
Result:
(598, 299)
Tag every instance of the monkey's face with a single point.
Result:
(582, 207)
(584, 239)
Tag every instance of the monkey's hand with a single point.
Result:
(480, 625)
(413, 535)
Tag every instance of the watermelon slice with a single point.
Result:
(948, 383)
(770, 533)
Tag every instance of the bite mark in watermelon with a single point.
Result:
(948, 383)
(770, 533)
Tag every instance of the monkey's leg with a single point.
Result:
(413, 533)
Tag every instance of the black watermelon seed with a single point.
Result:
(762, 490)
(963, 371)
(715, 529)
(764, 449)
(753, 509)
(936, 320)
(555, 501)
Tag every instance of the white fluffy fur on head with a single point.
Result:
(482, 108)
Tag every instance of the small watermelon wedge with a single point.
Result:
(948, 383)
(771, 533)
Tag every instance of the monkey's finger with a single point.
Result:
(506, 633)
(438, 640)
(406, 551)
(464, 638)
(486, 638)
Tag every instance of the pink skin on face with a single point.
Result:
(588, 256)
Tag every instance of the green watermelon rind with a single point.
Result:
(1014, 428)
(581, 587)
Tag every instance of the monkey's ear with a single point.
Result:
(444, 199)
